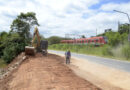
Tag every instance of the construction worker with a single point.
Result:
(68, 55)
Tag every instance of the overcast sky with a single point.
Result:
(60, 17)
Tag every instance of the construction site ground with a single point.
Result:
(45, 73)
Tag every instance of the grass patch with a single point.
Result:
(103, 51)
(2, 63)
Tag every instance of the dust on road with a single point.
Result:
(46, 73)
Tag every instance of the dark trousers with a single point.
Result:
(67, 60)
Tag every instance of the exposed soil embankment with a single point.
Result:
(46, 73)
(5, 73)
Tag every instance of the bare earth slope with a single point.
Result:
(46, 73)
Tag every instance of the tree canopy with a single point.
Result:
(123, 28)
(54, 39)
(23, 23)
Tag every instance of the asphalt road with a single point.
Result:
(117, 64)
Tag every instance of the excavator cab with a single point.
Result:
(44, 46)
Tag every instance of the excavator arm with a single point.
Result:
(36, 36)
(30, 50)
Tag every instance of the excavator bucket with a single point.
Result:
(29, 50)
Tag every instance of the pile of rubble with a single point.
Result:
(5, 71)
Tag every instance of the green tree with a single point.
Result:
(123, 28)
(3, 35)
(42, 37)
(11, 47)
(124, 38)
(23, 23)
(54, 39)
(83, 36)
(114, 38)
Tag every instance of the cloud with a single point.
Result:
(58, 17)
(112, 6)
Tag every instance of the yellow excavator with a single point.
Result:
(38, 45)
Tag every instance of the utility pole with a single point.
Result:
(96, 32)
(128, 19)
(118, 26)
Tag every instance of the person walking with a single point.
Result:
(68, 56)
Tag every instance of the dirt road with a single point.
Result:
(46, 73)
(100, 75)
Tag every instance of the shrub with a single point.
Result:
(106, 51)
(1, 49)
(12, 51)
(126, 51)
(13, 46)
(9, 54)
